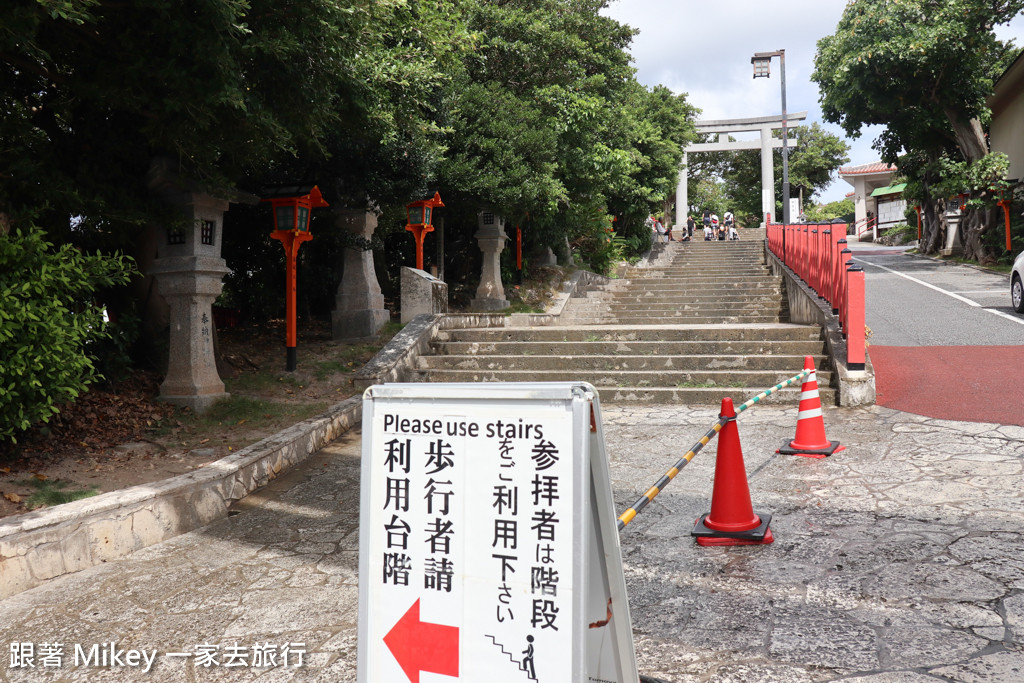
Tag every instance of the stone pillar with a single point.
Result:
(422, 293)
(953, 246)
(682, 198)
(545, 256)
(767, 175)
(359, 311)
(188, 271)
(490, 295)
(439, 242)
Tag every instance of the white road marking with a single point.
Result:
(975, 304)
(922, 283)
(983, 291)
(1019, 321)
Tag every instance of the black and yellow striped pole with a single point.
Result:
(634, 509)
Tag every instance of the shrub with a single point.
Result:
(47, 317)
(898, 234)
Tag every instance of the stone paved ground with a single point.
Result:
(898, 560)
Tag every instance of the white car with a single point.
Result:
(1017, 283)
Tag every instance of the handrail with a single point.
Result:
(869, 224)
(634, 509)
(817, 254)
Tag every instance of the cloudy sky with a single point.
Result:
(703, 48)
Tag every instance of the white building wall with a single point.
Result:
(890, 212)
(1007, 135)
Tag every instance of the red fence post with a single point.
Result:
(837, 273)
(816, 235)
(855, 336)
(844, 291)
(828, 254)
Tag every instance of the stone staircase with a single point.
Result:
(704, 320)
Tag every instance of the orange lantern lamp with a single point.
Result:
(1004, 203)
(419, 216)
(292, 206)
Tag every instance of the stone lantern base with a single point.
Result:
(359, 304)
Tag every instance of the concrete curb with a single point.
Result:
(55, 541)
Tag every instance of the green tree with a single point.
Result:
(826, 213)
(548, 120)
(47, 320)
(923, 69)
(94, 90)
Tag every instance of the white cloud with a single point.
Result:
(703, 48)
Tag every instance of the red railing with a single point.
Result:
(865, 225)
(817, 254)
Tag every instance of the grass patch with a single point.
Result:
(522, 307)
(238, 409)
(265, 414)
(47, 493)
(261, 381)
(998, 267)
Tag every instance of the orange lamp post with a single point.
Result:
(419, 215)
(1004, 203)
(292, 206)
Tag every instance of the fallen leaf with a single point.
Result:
(13, 497)
(5, 470)
(41, 477)
(203, 441)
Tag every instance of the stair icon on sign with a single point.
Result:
(511, 657)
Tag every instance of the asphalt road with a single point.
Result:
(945, 341)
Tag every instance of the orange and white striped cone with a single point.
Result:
(810, 440)
(732, 520)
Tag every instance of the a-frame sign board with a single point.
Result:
(488, 549)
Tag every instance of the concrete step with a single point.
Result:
(617, 362)
(800, 348)
(752, 381)
(693, 304)
(622, 333)
(683, 299)
(694, 319)
(752, 284)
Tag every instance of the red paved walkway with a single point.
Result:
(972, 383)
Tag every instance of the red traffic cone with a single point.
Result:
(810, 440)
(732, 520)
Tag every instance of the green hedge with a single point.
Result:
(47, 317)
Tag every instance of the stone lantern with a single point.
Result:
(359, 311)
(188, 271)
(490, 234)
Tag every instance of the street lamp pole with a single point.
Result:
(762, 62)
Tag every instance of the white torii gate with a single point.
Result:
(764, 124)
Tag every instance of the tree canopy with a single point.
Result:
(923, 69)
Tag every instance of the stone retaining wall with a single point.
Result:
(854, 387)
(54, 541)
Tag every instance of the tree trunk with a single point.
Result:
(970, 137)
(974, 223)
(931, 228)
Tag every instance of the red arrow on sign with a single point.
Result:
(421, 646)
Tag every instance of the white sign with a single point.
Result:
(794, 208)
(476, 517)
